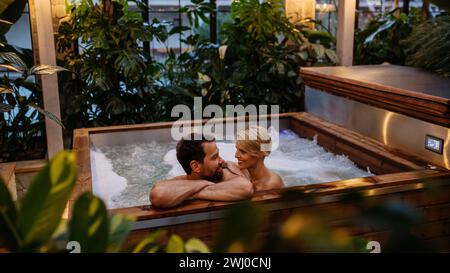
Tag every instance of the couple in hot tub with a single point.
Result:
(205, 169)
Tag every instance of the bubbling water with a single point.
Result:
(124, 175)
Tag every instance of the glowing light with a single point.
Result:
(385, 127)
(447, 140)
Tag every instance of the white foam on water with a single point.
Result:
(106, 183)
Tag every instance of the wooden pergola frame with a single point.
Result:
(41, 15)
(45, 53)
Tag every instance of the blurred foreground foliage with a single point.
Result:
(35, 223)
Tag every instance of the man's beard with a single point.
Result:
(217, 176)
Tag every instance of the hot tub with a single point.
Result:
(340, 122)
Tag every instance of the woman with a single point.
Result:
(252, 147)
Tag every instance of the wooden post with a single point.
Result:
(44, 46)
(346, 31)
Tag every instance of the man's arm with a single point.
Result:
(169, 193)
(234, 186)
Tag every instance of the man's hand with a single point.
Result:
(170, 193)
(234, 186)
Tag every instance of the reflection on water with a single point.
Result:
(299, 162)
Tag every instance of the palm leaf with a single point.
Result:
(45, 69)
(48, 114)
(10, 67)
(13, 59)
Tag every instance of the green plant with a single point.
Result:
(21, 107)
(116, 81)
(428, 46)
(114, 78)
(264, 53)
(35, 224)
(381, 40)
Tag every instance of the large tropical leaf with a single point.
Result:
(44, 203)
(8, 219)
(89, 224)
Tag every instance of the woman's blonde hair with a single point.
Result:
(255, 140)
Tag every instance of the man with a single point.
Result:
(207, 176)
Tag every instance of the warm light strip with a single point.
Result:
(447, 140)
(385, 126)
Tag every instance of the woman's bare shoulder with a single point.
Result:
(276, 181)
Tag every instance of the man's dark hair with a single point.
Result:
(191, 148)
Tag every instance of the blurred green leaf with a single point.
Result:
(9, 236)
(175, 244)
(194, 245)
(44, 203)
(150, 243)
(89, 224)
(119, 228)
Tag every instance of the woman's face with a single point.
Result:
(245, 159)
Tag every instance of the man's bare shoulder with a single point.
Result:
(180, 177)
